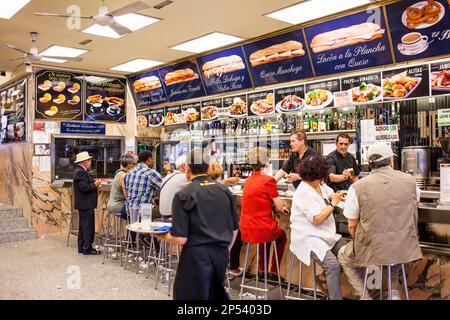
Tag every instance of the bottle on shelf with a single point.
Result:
(335, 121)
(322, 124)
(306, 123)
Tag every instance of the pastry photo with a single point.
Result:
(286, 50)
(423, 14)
(223, 65)
(179, 76)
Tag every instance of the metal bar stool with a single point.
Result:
(116, 242)
(256, 288)
(389, 266)
(135, 253)
(165, 265)
(152, 256)
(291, 270)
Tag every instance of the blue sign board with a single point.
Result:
(83, 128)
(147, 89)
(225, 71)
(354, 42)
(278, 59)
(182, 81)
(416, 40)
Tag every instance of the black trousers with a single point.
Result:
(235, 252)
(201, 273)
(86, 230)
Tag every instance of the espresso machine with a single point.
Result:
(445, 172)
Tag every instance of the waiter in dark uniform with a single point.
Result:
(344, 169)
(300, 151)
(85, 194)
(205, 223)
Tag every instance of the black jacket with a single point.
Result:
(85, 191)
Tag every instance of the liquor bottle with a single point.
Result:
(330, 125)
(322, 124)
(344, 122)
(300, 124)
(206, 130)
(335, 121)
(349, 122)
(315, 124)
(306, 123)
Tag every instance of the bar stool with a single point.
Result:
(101, 236)
(133, 217)
(152, 256)
(117, 242)
(256, 288)
(166, 263)
(405, 284)
(291, 270)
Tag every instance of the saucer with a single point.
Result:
(112, 112)
(411, 52)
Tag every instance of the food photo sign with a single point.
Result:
(363, 89)
(320, 95)
(405, 83)
(419, 29)
(13, 100)
(261, 103)
(440, 78)
(182, 81)
(191, 111)
(290, 99)
(278, 59)
(357, 41)
(173, 115)
(59, 95)
(225, 71)
(147, 89)
(213, 109)
(105, 100)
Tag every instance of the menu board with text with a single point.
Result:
(278, 59)
(105, 100)
(147, 89)
(150, 118)
(320, 95)
(59, 95)
(354, 42)
(405, 83)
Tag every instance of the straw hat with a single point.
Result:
(82, 156)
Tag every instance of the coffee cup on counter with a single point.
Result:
(413, 42)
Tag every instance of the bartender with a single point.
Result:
(300, 151)
(344, 169)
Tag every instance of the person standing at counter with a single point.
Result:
(344, 169)
(85, 195)
(257, 222)
(382, 219)
(313, 228)
(300, 150)
(205, 223)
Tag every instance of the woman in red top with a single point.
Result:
(257, 222)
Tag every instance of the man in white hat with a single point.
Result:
(382, 220)
(85, 195)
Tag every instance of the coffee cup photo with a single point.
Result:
(413, 43)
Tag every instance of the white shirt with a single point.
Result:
(305, 236)
(171, 184)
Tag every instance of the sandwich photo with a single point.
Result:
(75, 88)
(343, 37)
(222, 65)
(45, 86)
(277, 52)
(60, 87)
(115, 100)
(178, 76)
(146, 84)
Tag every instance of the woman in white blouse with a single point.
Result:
(313, 229)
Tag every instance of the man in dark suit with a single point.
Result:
(85, 193)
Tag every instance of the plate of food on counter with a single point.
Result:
(191, 115)
(290, 103)
(209, 113)
(142, 121)
(263, 106)
(318, 99)
(366, 93)
(238, 108)
(399, 86)
(423, 14)
(155, 120)
(440, 80)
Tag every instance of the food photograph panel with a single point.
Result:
(406, 83)
(105, 100)
(13, 101)
(147, 89)
(182, 81)
(440, 78)
(225, 71)
(261, 103)
(320, 95)
(290, 99)
(419, 29)
(173, 115)
(354, 42)
(59, 95)
(213, 109)
(278, 59)
(364, 89)
(191, 111)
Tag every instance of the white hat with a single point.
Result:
(381, 149)
(180, 161)
(82, 156)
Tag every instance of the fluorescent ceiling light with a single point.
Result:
(132, 21)
(313, 9)
(207, 42)
(97, 80)
(53, 60)
(60, 51)
(9, 8)
(136, 65)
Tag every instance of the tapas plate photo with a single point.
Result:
(155, 120)
(238, 109)
(318, 99)
(399, 86)
(418, 16)
(366, 93)
(440, 81)
(290, 103)
(209, 113)
(142, 122)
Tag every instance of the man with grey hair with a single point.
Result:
(382, 220)
(171, 184)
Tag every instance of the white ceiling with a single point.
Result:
(182, 20)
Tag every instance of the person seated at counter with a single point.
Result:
(257, 222)
(344, 169)
(171, 184)
(215, 171)
(300, 151)
(313, 228)
(382, 220)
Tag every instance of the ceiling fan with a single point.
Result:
(107, 19)
(33, 54)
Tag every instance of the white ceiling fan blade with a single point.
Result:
(15, 48)
(75, 59)
(131, 8)
(120, 29)
(40, 14)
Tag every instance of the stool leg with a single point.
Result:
(161, 248)
(291, 269)
(278, 267)
(70, 229)
(389, 282)
(365, 282)
(137, 254)
(314, 275)
(257, 269)
(300, 276)
(381, 283)
(170, 270)
(120, 239)
(100, 235)
(245, 269)
(404, 281)
(105, 248)
(149, 258)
